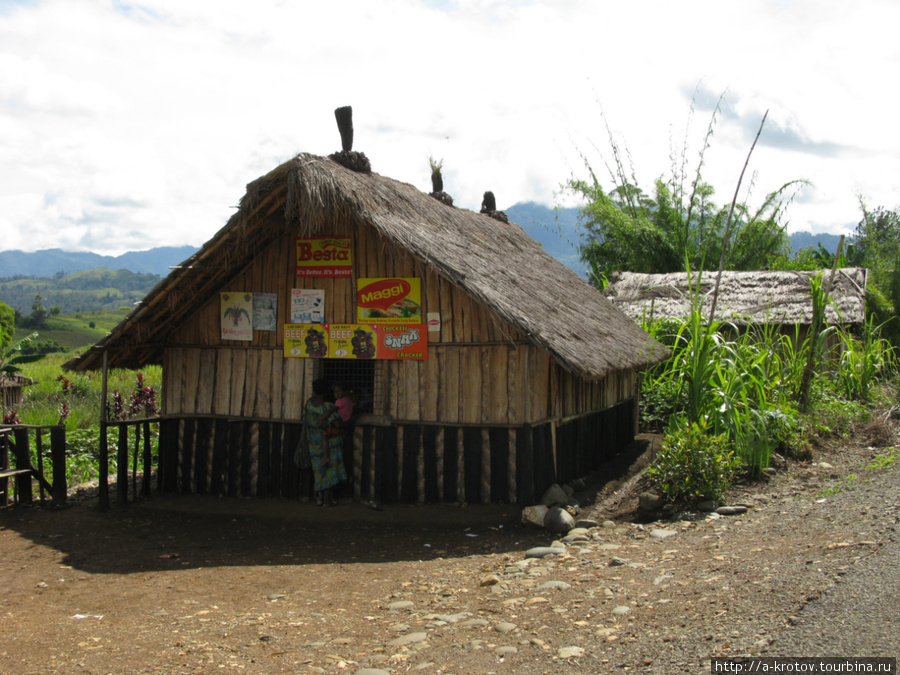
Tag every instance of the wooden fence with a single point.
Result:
(15, 444)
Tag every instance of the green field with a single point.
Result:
(76, 332)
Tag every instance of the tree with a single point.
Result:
(679, 226)
(11, 357)
(877, 241)
(7, 326)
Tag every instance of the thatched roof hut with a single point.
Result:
(526, 374)
(773, 297)
(11, 390)
(497, 263)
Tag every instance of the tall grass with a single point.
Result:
(74, 400)
(744, 385)
(42, 401)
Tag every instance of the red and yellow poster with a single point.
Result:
(393, 301)
(356, 341)
(324, 257)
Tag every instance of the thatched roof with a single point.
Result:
(496, 263)
(780, 297)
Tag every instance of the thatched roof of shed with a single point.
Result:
(496, 263)
(780, 297)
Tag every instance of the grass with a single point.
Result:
(74, 331)
(745, 386)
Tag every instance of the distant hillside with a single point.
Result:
(559, 232)
(85, 291)
(802, 240)
(51, 261)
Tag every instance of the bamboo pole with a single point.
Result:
(103, 474)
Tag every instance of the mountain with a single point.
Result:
(557, 230)
(94, 290)
(51, 261)
(802, 240)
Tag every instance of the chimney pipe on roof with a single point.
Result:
(344, 117)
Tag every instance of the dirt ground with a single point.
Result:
(187, 584)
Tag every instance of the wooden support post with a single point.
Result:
(23, 461)
(58, 461)
(39, 456)
(145, 484)
(103, 474)
(122, 465)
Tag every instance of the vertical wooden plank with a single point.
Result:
(202, 455)
(450, 378)
(207, 381)
(263, 406)
(387, 469)
(176, 383)
(191, 380)
(238, 380)
(511, 463)
(498, 447)
(224, 381)
(276, 401)
(187, 455)
(292, 397)
(58, 461)
(411, 389)
(430, 488)
(462, 329)
(251, 378)
(411, 440)
(22, 453)
(263, 453)
(472, 466)
(525, 466)
(486, 465)
(448, 315)
(470, 385)
(500, 363)
(539, 367)
(429, 388)
(450, 471)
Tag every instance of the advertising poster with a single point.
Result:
(265, 311)
(305, 340)
(356, 341)
(307, 305)
(389, 301)
(324, 257)
(236, 315)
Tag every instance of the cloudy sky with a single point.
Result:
(125, 126)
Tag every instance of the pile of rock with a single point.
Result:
(557, 510)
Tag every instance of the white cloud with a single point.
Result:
(127, 126)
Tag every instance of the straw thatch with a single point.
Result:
(778, 297)
(495, 263)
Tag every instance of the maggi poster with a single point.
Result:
(392, 301)
(324, 257)
(356, 341)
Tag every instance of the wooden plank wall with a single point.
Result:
(406, 463)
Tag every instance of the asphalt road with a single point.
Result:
(860, 615)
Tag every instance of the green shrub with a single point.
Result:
(692, 464)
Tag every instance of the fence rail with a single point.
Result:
(15, 444)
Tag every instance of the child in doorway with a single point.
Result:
(343, 402)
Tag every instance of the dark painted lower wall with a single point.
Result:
(396, 463)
